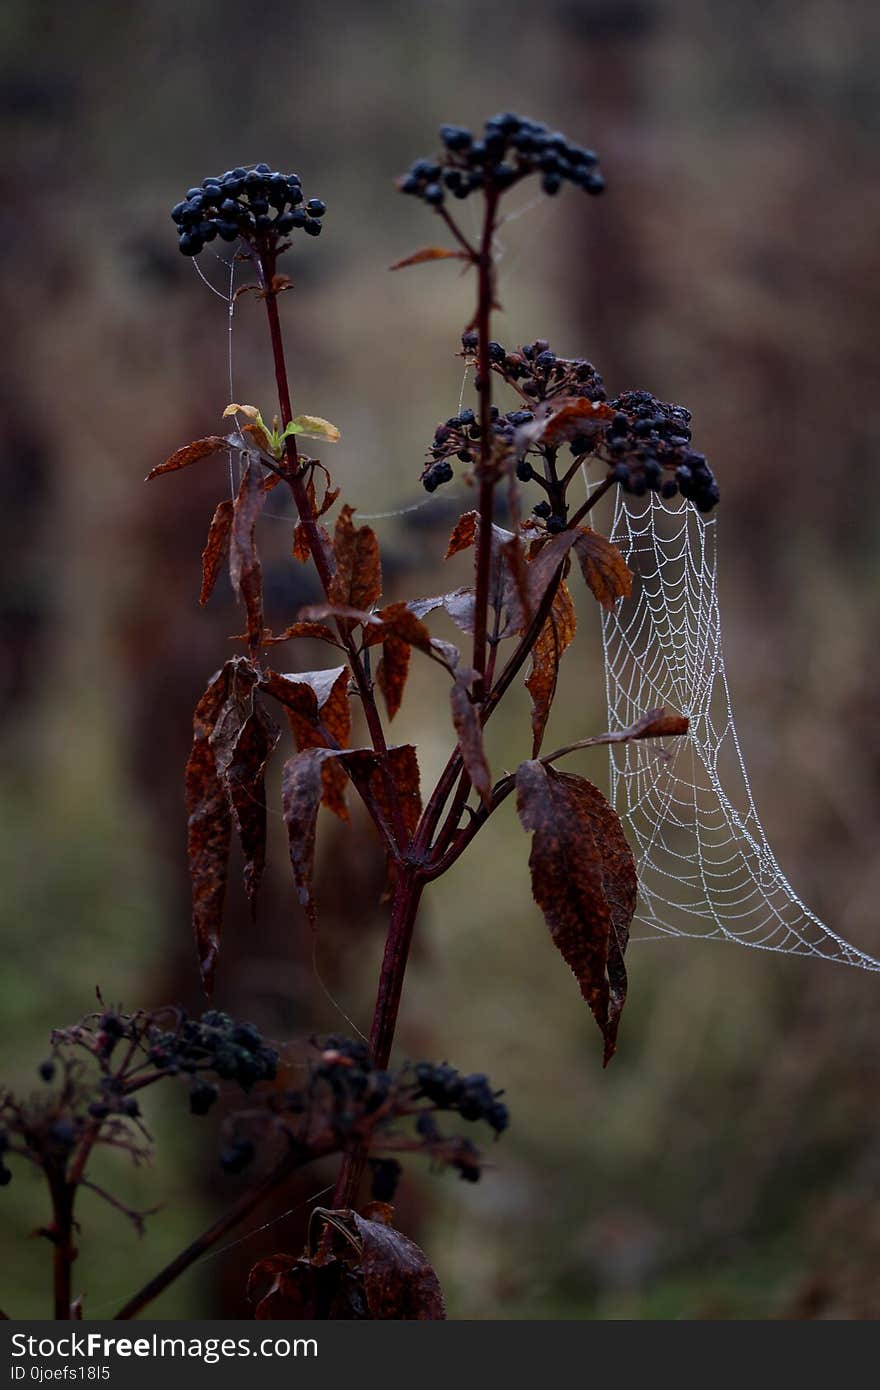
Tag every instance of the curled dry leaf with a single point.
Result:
(398, 1280)
(604, 568)
(656, 724)
(320, 1289)
(244, 562)
(556, 634)
(365, 766)
(216, 548)
(302, 788)
(584, 881)
(190, 453)
(319, 714)
(570, 418)
(466, 718)
(464, 533)
(357, 582)
(209, 828)
(392, 671)
(430, 253)
(245, 778)
(318, 631)
(242, 741)
(507, 578)
(369, 1271)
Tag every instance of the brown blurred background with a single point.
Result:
(727, 1165)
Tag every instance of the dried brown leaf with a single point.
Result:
(366, 767)
(328, 727)
(392, 671)
(398, 1280)
(244, 562)
(604, 568)
(656, 724)
(574, 417)
(584, 881)
(357, 582)
(190, 453)
(209, 830)
(325, 1289)
(556, 634)
(302, 787)
(430, 253)
(246, 786)
(466, 718)
(464, 533)
(216, 548)
(319, 631)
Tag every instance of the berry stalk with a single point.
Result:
(487, 460)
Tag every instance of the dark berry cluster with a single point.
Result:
(509, 149)
(648, 448)
(254, 204)
(472, 1096)
(233, 1051)
(357, 1087)
(645, 442)
(536, 372)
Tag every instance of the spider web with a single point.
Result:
(704, 864)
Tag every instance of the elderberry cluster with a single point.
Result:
(472, 1096)
(509, 149)
(249, 203)
(233, 1051)
(648, 447)
(536, 372)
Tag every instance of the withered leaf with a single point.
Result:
(584, 881)
(430, 253)
(392, 671)
(246, 785)
(216, 548)
(571, 418)
(545, 558)
(190, 453)
(357, 582)
(242, 740)
(603, 567)
(556, 634)
(302, 550)
(323, 1289)
(466, 718)
(398, 1280)
(318, 631)
(656, 724)
(244, 562)
(302, 787)
(366, 766)
(314, 612)
(463, 534)
(319, 714)
(209, 828)
(507, 577)
(399, 620)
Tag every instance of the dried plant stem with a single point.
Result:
(225, 1223)
(487, 472)
(64, 1254)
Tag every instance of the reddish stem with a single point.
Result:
(487, 470)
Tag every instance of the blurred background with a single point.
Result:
(727, 1164)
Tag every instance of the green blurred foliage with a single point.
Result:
(727, 1164)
